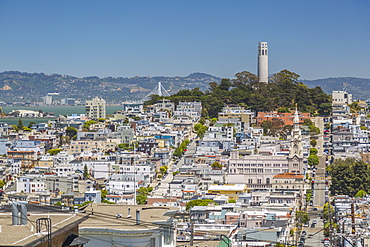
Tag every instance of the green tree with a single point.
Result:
(201, 130)
(282, 92)
(279, 245)
(313, 151)
(54, 151)
(349, 176)
(313, 142)
(142, 194)
(163, 169)
(198, 202)
(177, 152)
(244, 79)
(71, 132)
(216, 165)
(204, 113)
(107, 202)
(283, 110)
(30, 124)
(87, 124)
(2, 184)
(328, 226)
(141, 199)
(180, 149)
(328, 211)
(359, 194)
(86, 172)
(301, 218)
(15, 128)
(20, 124)
(202, 121)
(197, 126)
(308, 196)
(225, 84)
(307, 122)
(104, 194)
(85, 203)
(314, 130)
(313, 160)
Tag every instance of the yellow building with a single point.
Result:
(45, 162)
(237, 113)
(231, 190)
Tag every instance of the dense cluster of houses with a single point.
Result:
(254, 182)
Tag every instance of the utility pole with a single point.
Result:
(191, 231)
(353, 218)
(134, 174)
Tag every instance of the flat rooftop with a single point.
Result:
(23, 235)
(102, 215)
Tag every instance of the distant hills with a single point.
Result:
(30, 87)
(358, 87)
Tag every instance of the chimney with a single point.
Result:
(137, 217)
(15, 213)
(128, 212)
(23, 211)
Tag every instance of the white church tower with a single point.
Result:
(295, 158)
(263, 62)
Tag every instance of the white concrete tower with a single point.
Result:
(263, 65)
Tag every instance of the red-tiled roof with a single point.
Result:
(288, 175)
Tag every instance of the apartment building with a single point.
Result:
(95, 108)
(287, 118)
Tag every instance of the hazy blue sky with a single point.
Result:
(315, 38)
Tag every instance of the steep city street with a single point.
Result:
(162, 186)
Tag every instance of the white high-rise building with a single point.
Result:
(48, 99)
(95, 108)
(263, 72)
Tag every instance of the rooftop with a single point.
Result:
(288, 175)
(104, 216)
(26, 235)
(230, 187)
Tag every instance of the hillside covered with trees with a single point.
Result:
(281, 94)
(22, 87)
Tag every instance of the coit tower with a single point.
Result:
(263, 64)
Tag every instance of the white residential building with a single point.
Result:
(341, 97)
(95, 108)
(30, 185)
